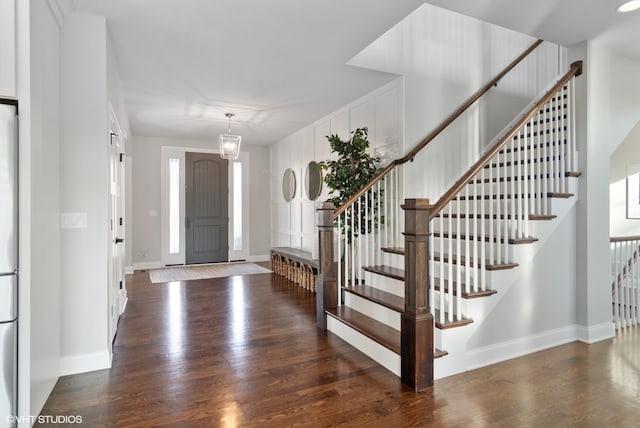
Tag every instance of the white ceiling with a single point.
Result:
(279, 65)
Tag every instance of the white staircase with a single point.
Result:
(484, 235)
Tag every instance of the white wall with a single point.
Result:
(626, 155)
(608, 110)
(146, 196)
(45, 204)
(7, 48)
(84, 187)
(445, 57)
(293, 223)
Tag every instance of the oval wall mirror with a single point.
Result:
(289, 185)
(313, 180)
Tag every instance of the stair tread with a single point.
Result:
(375, 330)
(463, 261)
(511, 196)
(456, 322)
(389, 271)
(527, 240)
(522, 177)
(465, 295)
(495, 216)
(437, 353)
(378, 296)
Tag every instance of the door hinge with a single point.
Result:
(121, 157)
(121, 221)
(120, 285)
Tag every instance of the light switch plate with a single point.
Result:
(73, 220)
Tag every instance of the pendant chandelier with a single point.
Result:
(229, 143)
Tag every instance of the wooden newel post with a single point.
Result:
(326, 283)
(416, 343)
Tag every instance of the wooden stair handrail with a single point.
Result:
(575, 70)
(448, 121)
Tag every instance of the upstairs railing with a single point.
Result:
(625, 280)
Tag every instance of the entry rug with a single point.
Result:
(217, 270)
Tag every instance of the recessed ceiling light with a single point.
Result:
(629, 6)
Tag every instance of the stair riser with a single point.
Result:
(393, 260)
(536, 205)
(371, 309)
(384, 283)
(383, 356)
(476, 226)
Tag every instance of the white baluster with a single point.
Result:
(574, 143)
(616, 294)
(467, 231)
(515, 193)
(339, 231)
(366, 228)
(562, 141)
(498, 205)
(458, 265)
(543, 162)
(505, 210)
(353, 246)
(450, 264)
(528, 190)
(480, 283)
(516, 177)
(476, 200)
(490, 202)
(442, 279)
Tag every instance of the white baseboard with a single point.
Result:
(521, 346)
(596, 333)
(85, 363)
(263, 258)
(147, 265)
(128, 270)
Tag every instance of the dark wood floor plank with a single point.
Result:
(245, 351)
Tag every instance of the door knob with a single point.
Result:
(119, 240)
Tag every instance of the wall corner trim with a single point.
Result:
(595, 333)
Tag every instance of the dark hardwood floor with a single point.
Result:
(244, 351)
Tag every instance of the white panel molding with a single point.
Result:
(596, 333)
(85, 363)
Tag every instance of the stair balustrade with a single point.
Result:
(625, 280)
(448, 246)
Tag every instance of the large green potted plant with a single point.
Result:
(346, 175)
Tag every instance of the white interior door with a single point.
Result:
(116, 230)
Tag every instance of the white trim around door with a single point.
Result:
(173, 250)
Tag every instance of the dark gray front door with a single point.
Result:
(207, 219)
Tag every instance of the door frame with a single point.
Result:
(169, 152)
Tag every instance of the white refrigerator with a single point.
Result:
(8, 261)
